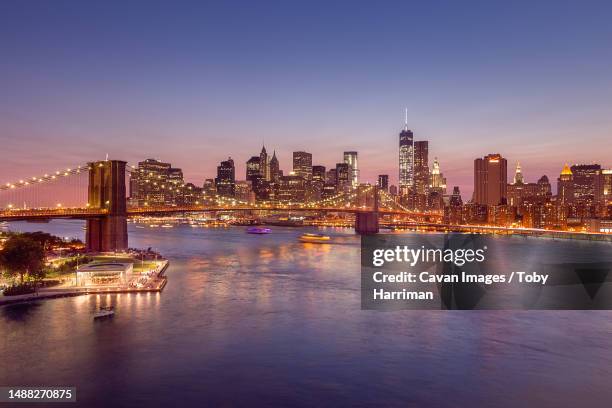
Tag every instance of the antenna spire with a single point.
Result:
(406, 118)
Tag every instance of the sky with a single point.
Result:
(192, 83)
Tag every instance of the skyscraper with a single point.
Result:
(253, 168)
(437, 179)
(518, 174)
(603, 187)
(421, 166)
(264, 164)
(565, 186)
(584, 182)
(406, 159)
(383, 182)
(350, 158)
(226, 178)
(302, 165)
(490, 180)
(318, 173)
(343, 179)
(155, 183)
(274, 169)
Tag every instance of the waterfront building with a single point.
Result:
(226, 178)
(318, 181)
(302, 165)
(329, 190)
(104, 274)
(603, 193)
(383, 182)
(150, 183)
(262, 188)
(244, 191)
(190, 194)
(350, 158)
(209, 189)
(490, 180)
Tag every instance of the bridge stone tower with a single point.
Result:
(366, 223)
(107, 191)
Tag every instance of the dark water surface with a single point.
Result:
(267, 321)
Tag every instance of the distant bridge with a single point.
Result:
(106, 211)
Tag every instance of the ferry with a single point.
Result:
(105, 311)
(167, 226)
(258, 230)
(315, 238)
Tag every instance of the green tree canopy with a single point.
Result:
(22, 256)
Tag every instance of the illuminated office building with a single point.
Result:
(406, 159)
(490, 180)
(421, 167)
(275, 172)
(565, 186)
(343, 177)
(302, 165)
(253, 168)
(264, 164)
(350, 158)
(226, 178)
(437, 181)
(383, 182)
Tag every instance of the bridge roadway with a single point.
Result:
(88, 213)
(91, 213)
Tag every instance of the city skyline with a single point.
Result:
(287, 167)
(301, 80)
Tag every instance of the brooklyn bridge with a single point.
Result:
(106, 208)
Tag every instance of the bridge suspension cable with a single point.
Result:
(66, 187)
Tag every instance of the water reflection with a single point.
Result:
(269, 319)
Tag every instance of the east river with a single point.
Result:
(250, 320)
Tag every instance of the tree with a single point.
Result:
(23, 256)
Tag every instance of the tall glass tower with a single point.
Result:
(406, 159)
(350, 158)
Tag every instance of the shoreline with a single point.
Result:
(48, 294)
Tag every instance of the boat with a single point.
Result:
(167, 226)
(284, 222)
(153, 226)
(105, 311)
(258, 230)
(315, 238)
